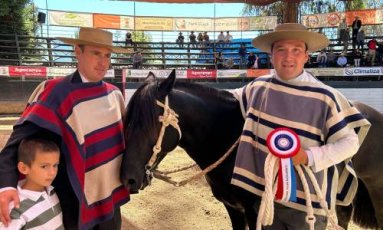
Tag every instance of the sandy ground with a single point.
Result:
(163, 206)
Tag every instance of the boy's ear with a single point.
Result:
(23, 168)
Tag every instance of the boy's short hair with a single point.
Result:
(28, 148)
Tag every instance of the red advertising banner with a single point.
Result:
(106, 21)
(199, 73)
(257, 72)
(18, 71)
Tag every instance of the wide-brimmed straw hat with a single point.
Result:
(94, 37)
(291, 31)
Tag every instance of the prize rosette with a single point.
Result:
(284, 144)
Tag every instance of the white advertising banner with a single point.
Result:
(59, 72)
(231, 73)
(110, 73)
(143, 73)
(193, 24)
(60, 18)
(4, 71)
(326, 71)
(363, 71)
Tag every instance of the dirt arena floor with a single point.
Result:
(163, 206)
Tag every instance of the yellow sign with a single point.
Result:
(150, 23)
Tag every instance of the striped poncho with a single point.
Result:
(88, 118)
(318, 114)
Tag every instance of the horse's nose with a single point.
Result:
(132, 185)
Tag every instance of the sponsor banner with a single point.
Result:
(363, 71)
(366, 16)
(127, 22)
(232, 73)
(109, 73)
(379, 16)
(59, 72)
(326, 71)
(141, 73)
(4, 71)
(106, 21)
(18, 71)
(60, 18)
(193, 24)
(263, 23)
(258, 72)
(198, 73)
(151, 23)
(225, 24)
(323, 20)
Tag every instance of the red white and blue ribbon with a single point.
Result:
(284, 144)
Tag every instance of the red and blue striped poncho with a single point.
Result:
(88, 118)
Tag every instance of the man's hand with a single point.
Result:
(6, 197)
(301, 158)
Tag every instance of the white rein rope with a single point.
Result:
(266, 209)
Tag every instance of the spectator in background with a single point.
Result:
(379, 53)
(220, 39)
(371, 55)
(200, 39)
(345, 39)
(331, 58)
(356, 25)
(228, 38)
(251, 60)
(137, 60)
(218, 60)
(357, 57)
(242, 56)
(342, 60)
(180, 40)
(229, 63)
(360, 40)
(128, 39)
(342, 30)
(193, 39)
(206, 39)
(322, 59)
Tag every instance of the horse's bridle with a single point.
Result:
(169, 117)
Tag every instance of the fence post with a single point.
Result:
(49, 47)
(18, 49)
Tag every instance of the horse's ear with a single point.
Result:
(166, 85)
(150, 77)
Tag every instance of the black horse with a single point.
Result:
(210, 121)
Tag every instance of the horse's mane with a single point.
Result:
(141, 113)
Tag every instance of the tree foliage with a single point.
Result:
(18, 16)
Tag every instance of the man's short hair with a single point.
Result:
(28, 148)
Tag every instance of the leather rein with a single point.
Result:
(170, 117)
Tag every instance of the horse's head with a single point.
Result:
(151, 131)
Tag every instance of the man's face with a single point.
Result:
(93, 62)
(289, 58)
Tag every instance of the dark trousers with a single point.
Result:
(286, 218)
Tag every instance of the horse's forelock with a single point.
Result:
(141, 110)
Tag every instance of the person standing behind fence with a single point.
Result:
(372, 46)
(220, 39)
(342, 30)
(193, 39)
(137, 60)
(356, 25)
(200, 39)
(242, 56)
(180, 40)
(228, 38)
(346, 38)
(39, 207)
(206, 39)
(360, 40)
(83, 115)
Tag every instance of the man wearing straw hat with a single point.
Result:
(323, 121)
(82, 114)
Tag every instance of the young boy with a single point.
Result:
(39, 208)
